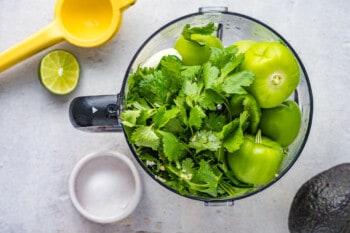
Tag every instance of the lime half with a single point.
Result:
(59, 72)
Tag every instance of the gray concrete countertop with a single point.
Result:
(39, 147)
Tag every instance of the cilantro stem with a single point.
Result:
(228, 188)
(221, 156)
(173, 170)
(227, 105)
(189, 150)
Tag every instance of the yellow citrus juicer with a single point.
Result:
(88, 23)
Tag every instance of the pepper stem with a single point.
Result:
(258, 138)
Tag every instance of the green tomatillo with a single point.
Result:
(194, 44)
(197, 50)
(257, 161)
(244, 45)
(276, 72)
(281, 123)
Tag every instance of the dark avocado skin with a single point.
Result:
(322, 204)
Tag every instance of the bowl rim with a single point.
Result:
(134, 200)
(208, 200)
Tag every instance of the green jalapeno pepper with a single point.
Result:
(246, 102)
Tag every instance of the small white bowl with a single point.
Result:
(105, 187)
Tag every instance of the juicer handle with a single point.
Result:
(40, 40)
(96, 113)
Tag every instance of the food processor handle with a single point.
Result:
(96, 113)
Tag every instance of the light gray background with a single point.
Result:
(39, 147)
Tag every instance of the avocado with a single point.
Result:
(322, 204)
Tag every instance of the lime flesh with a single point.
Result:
(59, 72)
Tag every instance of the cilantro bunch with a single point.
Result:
(181, 124)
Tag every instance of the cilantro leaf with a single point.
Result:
(187, 169)
(234, 83)
(221, 75)
(163, 116)
(192, 92)
(214, 121)
(231, 65)
(190, 88)
(171, 69)
(145, 136)
(204, 140)
(135, 78)
(196, 117)
(206, 179)
(175, 126)
(227, 60)
(184, 172)
(190, 72)
(159, 86)
(180, 103)
(209, 99)
(219, 57)
(153, 87)
(172, 147)
(130, 117)
(204, 30)
(210, 76)
(234, 140)
(145, 115)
